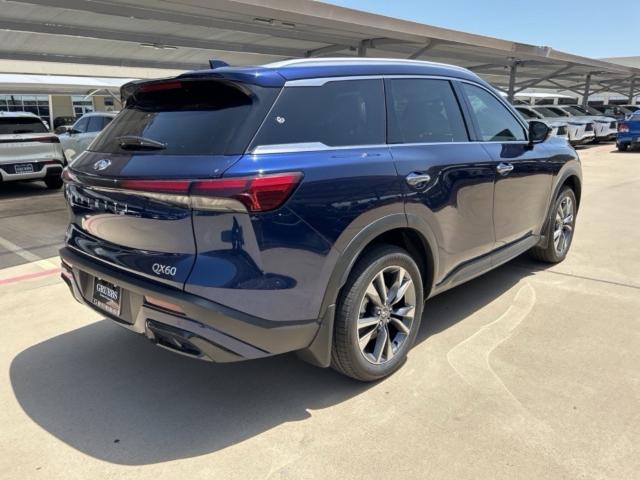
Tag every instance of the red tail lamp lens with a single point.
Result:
(154, 87)
(258, 194)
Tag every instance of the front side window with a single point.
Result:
(423, 111)
(81, 125)
(339, 113)
(495, 122)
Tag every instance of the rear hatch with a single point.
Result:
(129, 193)
(26, 141)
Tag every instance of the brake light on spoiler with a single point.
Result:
(254, 194)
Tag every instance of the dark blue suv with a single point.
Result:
(309, 206)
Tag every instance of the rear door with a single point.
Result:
(129, 194)
(427, 136)
(524, 174)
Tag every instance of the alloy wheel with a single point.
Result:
(563, 226)
(386, 314)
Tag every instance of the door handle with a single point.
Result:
(415, 179)
(504, 168)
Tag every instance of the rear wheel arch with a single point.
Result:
(390, 230)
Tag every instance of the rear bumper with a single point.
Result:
(41, 169)
(206, 330)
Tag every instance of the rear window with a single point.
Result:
(198, 118)
(338, 113)
(17, 125)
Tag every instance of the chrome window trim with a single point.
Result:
(307, 147)
(321, 147)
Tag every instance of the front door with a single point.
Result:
(523, 173)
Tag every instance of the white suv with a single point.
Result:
(28, 151)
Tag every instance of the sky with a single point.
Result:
(582, 27)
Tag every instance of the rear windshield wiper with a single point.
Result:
(134, 142)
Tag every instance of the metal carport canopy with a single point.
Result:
(185, 34)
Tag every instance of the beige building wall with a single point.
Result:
(99, 104)
(61, 106)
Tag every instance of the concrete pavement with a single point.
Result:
(526, 372)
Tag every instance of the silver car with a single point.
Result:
(28, 151)
(580, 129)
(76, 138)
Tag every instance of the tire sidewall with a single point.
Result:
(365, 368)
(552, 249)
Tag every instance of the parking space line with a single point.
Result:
(26, 254)
(30, 276)
(18, 250)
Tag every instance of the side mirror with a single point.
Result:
(65, 129)
(538, 132)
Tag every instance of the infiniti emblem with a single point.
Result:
(101, 164)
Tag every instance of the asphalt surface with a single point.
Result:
(527, 372)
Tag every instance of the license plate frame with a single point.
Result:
(107, 296)
(21, 168)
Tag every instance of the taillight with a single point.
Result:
(257, 194)
(69, 176)
(51, 139)
(623, 128)
(156, 86)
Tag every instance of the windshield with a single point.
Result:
(526, 113)
(575, 111)
(194, 118)
(593, 111)
(17, 125)
(545, 112)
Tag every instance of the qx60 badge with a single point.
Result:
(101, 164)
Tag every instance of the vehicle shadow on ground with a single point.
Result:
(11, 190)
(113, 395)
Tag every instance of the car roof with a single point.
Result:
(19, 114)
(100, 114)
(278, 73)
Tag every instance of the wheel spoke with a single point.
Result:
(367, 322)
(373, 295)
(381, 343)
(405, 311)
(557, 233)
(389, 350)
(366, 338)
(401, 291)
(381, 287)
(402, 328)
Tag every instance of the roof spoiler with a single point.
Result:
(213, 64)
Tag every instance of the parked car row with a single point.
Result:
(583, 124)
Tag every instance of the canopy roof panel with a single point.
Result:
(184, 34)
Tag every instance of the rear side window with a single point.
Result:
(17, 125)
(340, 113)
(495, 122)
(423, 111)
(190, 118)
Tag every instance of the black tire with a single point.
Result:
(53, 183)
(551, 253)
(347, 356)
(622, 147)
